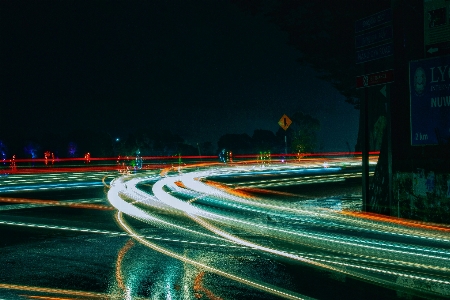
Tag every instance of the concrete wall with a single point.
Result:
(422, 195)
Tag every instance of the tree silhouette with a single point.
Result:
(263, 140)
(323, 32)
(303, 132)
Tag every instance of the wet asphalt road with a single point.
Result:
(77, 251)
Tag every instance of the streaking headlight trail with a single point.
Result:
(394, 254)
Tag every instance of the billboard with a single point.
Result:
(436, 27)
(429, 82)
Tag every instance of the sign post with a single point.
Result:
(373, 41)
(285, 122)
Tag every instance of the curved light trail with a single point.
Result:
(379, 250)
(263, 287)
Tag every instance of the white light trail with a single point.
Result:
(378, 253)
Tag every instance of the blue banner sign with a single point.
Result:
(374, 53)
(429, 81)
(372, 37)
(374, 20)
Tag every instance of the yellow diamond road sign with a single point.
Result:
(284, 122)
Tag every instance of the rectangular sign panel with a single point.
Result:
(436, 27)
(373, 37)
(374, 53)
(374, 20)
(375, 79)
(429, 81)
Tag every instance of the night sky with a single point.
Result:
(198, 68)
